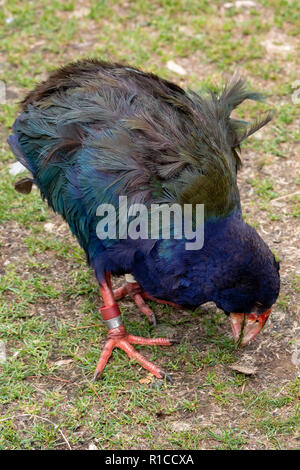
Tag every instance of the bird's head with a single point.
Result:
(248, 283)
(248, 301)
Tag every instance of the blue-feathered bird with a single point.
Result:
(96, 131)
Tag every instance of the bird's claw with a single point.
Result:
(134, 290)
(159, 383)
(153, 321)
(119, 338)
(168, 377)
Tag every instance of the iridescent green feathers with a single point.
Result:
(151, 140)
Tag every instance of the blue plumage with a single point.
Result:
(95, 131)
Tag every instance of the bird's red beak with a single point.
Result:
(246, 326)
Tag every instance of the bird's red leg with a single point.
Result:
(119, 338)
(134, 290)
(147, 296)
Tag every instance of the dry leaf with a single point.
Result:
(146, 380)
(243, 369)
(63, 362)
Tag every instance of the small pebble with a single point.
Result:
(16, 168)
(92, 446)
(240, 4)
(49, 227)
(2, 352)
(175, 68)
(180, 426)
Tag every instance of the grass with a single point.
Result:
(49, 299)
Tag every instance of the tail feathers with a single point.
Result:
(16, 149)
(25, 184)
(234, 93)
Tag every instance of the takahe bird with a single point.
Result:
(96, 131)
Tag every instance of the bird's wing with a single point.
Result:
(93, 132)
(210, 154)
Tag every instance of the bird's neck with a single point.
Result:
(190, 277)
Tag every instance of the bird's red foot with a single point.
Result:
(119, 338)
(134, 290)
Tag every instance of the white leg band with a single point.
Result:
(113, 322)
